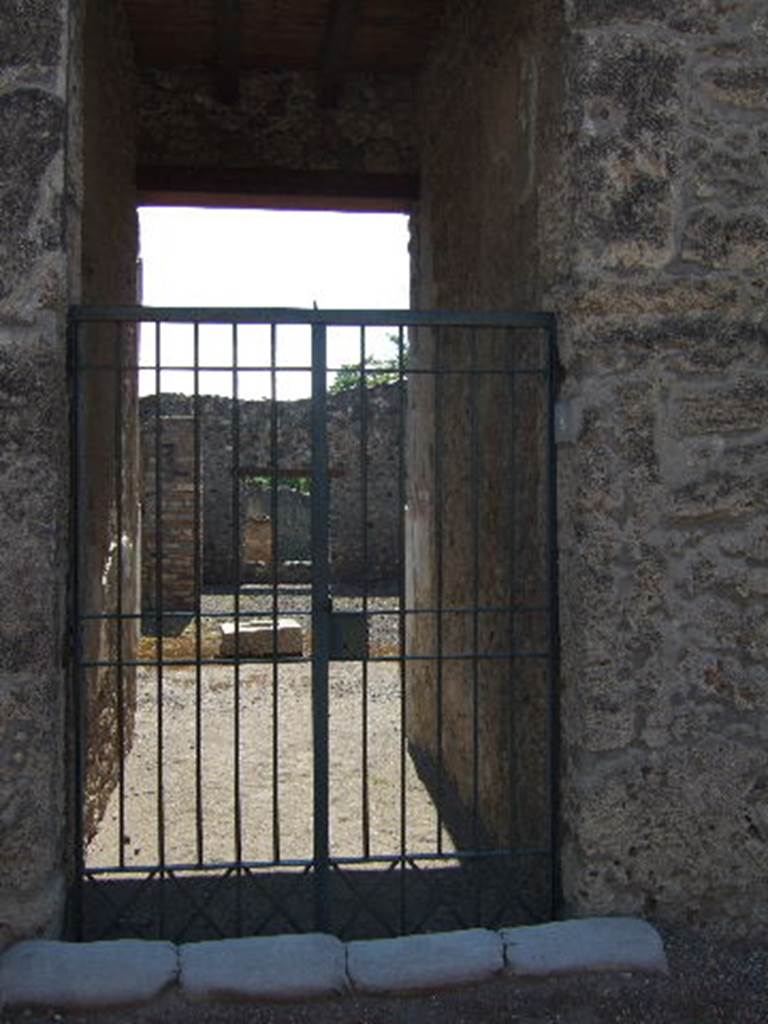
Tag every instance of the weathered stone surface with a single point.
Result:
(699, 800)
(744, 87)
(32, 34)
(421, 962)
(255, 638)
(627, 108)
(725, 496)
(592, 944)
(727, 165)
(86, 976)
(738, 407)
(277, 123)
(727, 240)
(268, 968)
(688, 16)
(32, 575)
(31, 126)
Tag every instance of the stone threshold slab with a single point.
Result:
(124, 972)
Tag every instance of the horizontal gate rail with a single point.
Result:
(329, 317)
(397, 771)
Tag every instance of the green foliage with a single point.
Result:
(302, 484)
(377, 371)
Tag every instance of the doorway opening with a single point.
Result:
(430, 554)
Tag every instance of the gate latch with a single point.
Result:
(348, 636)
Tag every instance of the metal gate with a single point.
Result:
(314, 621)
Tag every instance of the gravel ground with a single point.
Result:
(711, 982)
(272, 755)
(273, 764)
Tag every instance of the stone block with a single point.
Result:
(627, 157)
(279, 967)
(722, 498)
(421, 962)
(743, 87)
(736, 407)
(591, 944)
(256, 638)
(727, 240)
(86, 976)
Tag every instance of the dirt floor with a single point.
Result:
(224, 758)
(710, 983)
(248, 782)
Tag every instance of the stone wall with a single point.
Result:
(611, 168)
(663, 482)
(277, 124)
(39, 224)
(108, 425)
(489, 102)
(222, 466)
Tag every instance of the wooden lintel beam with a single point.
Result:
(274, 186)
(228, 35)
(340, 29)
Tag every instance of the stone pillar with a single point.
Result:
(490, 98)
(39, 218)
(179, 500)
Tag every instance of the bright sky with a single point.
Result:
(207, 257)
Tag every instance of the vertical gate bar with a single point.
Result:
(511, 474)
(553, 660)
(363, 384)
(438, 518)
(159, 626)
(236, 541)
(118, 497)
(76, 693)
(198, 570)
(320, 622)
(475, 484)
(274, 512)
(402, 619)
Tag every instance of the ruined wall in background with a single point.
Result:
(489, 108)
(356, 552)
(39, 224)
(109, 503)
(664, 478)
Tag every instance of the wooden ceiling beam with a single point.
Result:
(229, 14)
(275, 187)
(343, 19)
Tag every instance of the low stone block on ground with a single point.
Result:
(283, 967)
(589, 944)
(416, 963)
(257, 638)
(87, 975)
